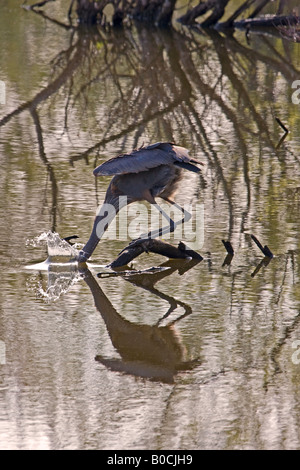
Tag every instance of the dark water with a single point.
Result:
(194, 356)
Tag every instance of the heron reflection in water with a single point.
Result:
(142, 175)
(154, 351)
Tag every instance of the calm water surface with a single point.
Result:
(197, 355)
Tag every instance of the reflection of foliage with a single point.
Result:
(216, 94)
(160, 12)
(163, 83)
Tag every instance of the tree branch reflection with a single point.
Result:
(166, 85)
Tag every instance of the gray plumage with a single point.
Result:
(160, 153)
(143, 174)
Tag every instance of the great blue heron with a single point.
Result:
(143, 174)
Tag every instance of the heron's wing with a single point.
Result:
(137, 161)
(161, 153)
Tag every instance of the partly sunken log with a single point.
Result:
(147, 245)
(264, 249)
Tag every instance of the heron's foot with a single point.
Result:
(161, 231)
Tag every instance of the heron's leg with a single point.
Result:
(187, 216)
(162, 230)
(172, 225)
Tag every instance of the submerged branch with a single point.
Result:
(218, 7)
(282, 125)
(229, 23)
(136, 248)
(37, 5)
(265, 249)
(268, 21)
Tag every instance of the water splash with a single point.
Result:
(61, 267)
(56, 246)
(57, 283)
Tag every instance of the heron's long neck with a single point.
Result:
(100, 226)
(104, 217)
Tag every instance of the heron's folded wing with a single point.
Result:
(160, 153)
(135, 162)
